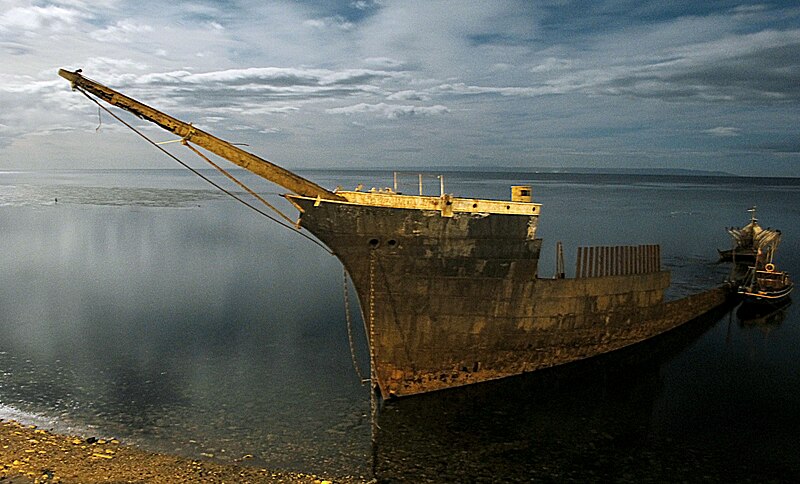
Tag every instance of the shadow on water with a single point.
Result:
(764, 316)
(585, 422)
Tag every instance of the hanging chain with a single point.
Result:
(371, 294)
(374, 388)
(350, 328)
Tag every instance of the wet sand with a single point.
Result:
(32, 455)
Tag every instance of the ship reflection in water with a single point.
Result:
(765, 316)
(585, 422)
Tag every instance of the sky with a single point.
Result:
(366, 84)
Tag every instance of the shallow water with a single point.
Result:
(145, 305)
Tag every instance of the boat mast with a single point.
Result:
(187, 132)
(752, 211)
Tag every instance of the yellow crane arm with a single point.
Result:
(222, 148)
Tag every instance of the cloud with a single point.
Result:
(723, 131)
(385, 63)
(390, 111)
(35, 18)
(408, 95)
(336, 22)
(745, 9)
(517, 80)
(122, 31)
(275, 110)
(752, 67)
(552, 64)
(447, 38)
(15, 48)
(466, 90)
(365, 4)
(267, 78)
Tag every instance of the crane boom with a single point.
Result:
(186, 131)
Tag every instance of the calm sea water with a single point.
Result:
(146, 306)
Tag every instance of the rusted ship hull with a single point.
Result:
(448, 286)
(456, 300)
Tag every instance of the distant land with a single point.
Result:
(589, 170)
(538, 170)
(573, 174)
(487, 171)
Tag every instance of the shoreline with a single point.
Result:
(29, 454)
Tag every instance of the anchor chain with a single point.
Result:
(348, 317)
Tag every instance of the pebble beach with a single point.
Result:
(32, 455)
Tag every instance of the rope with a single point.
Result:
(350, 329)
(205, 178)
(235, 180)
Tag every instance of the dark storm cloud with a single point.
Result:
(767, 74)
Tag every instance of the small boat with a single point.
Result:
(766, 285)
(763, 282)
(745, 241)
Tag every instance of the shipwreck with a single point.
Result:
(448, 286)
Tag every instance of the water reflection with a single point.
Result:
(586, 422)
(189, 330)
(765, 316)
(157, 312)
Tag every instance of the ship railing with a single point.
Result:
(419, 178)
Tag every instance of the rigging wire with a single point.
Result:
(235, 180)
(204, 177)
